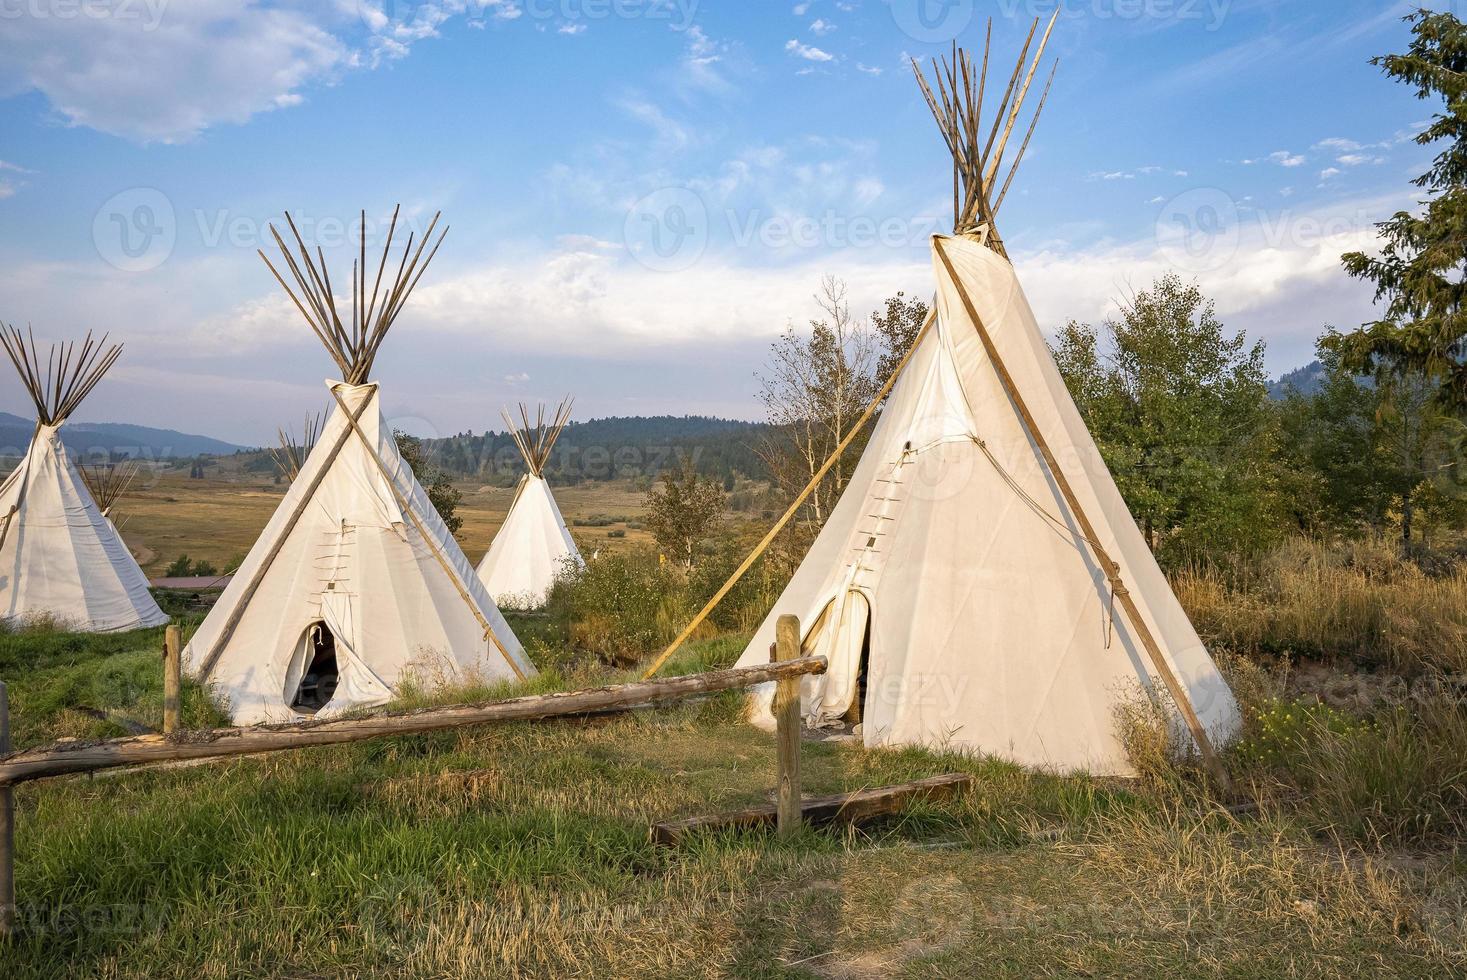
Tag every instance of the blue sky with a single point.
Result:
(145, 145)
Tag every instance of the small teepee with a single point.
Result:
(355, 583)
(981, 585)
(60, 557)
(533, 545)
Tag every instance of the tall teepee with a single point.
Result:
(533, 545)
(60, 556)
(355, 583)
(981, 584)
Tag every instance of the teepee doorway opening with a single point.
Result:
(317, 669)
(842, 634)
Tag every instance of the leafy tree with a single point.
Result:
(814, 389)
(1179, 411)
(684, 510)
(1373, 452)
(442, 494)
(896, 328)
(180, 567)
(1420, 270)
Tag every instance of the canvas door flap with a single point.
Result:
(357, 684)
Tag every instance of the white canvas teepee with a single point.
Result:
(981, 584)
(355, 584)
(60, 557)
(533, 545)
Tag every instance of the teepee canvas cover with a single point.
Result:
(961, 587)
(59, 554)
(533, 545)
(355, 577)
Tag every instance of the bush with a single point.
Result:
(1391, 781)
(625, 606)
(617, 607)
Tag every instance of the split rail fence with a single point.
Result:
(786, 668)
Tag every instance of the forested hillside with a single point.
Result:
(613, 448)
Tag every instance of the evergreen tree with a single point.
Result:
(1420, 271)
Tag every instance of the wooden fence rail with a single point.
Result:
(143, 751)
(64, 758)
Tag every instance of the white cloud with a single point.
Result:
(577, 27)
(808, 52)
(671, 135)
(700, 65)
(868, 69)
(1340, 144)
(165, 78)
(801, 9)
(1358, 159)
(821, 27)
(7, 188)
(516, 379)
(1286, 159)
(1329, 172)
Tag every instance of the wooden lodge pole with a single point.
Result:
(794, 507)
(172, 654)
(7, 829)
(787, 720)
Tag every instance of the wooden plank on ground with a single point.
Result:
(840, 808)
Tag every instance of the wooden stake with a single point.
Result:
(794, 508)
(1111, 568)
(172, 651)
(787, 720)
(7, 829)
(63, 758)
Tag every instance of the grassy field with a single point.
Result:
(522, 850)
(217, 520)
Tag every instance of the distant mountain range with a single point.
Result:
(1306, 380)
(113, 438)
(599, 449)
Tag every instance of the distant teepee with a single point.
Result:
(290, 455)
(533, 545)
(355, 584)
(60, 556)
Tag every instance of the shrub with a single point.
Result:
(181, 567)
(615, 606)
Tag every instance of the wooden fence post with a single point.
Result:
(172, 652)
(7, 829)
(787, 721)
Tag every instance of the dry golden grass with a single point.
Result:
(1357, 601)
(218, 520)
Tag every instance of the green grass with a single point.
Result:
(522, 850)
